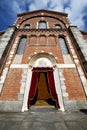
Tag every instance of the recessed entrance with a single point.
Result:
(34, 89)
(42, 96)
(42, 90)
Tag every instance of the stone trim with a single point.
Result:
(58, 89)
(17, 59)
(58, 66)
(62, 84)
(73, 105)
(19, 66)
(10, 106)
(23, 84)
(2, 78)
(26, 91)
(5, 70)
(80, 40)
(66, 66)
(12, 52)
(5, 40)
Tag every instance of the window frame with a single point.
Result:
(57, 26)
(21, 46)
(43, 26)
(26, 26)
(63, 46)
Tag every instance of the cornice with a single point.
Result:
(42, 11)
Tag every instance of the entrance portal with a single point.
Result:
(42, 90)
(42, 96)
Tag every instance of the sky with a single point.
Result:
(76, 9)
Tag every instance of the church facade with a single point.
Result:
(43, 62)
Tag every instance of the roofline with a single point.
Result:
(1, 32)
(82, 31)
(36, 11)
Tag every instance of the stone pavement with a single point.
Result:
(44, 119)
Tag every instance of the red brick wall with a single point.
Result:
(12, 85)
(51, 45)
(29, 51)
(73, 84)
(33, 17)
(47, 39)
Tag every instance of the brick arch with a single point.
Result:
(35, 57)
(32, 17)
(62, 35)
(32, 61)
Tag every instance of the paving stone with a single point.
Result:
(75, 126)
(44, 119)
(61, 126)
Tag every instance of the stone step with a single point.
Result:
(41, 103)
(43, 109)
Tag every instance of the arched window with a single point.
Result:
(42, 25)
(27, 26)
(57, 26)
(21, 46)
(63, 46)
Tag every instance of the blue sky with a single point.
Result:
(76, 9)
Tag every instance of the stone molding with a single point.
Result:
(5, 40)
(66, 66)
(58, 89)
(2, 78)
(80, 41)
(22, 66)
(57, 65)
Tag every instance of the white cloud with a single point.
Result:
(56, 5)
(15, 7)
(66, 1)
(32, 7)
(75, 9)
(38, 4)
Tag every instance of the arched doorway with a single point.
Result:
(42, 96)
(42, 88)
(45, 62)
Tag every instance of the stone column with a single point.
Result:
(5, 40)
(82, 44)
(58, 89)
(27, 88)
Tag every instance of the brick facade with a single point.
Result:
(73, 84)
(11, 86)
(43, 43)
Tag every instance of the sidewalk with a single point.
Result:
(44, 119)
